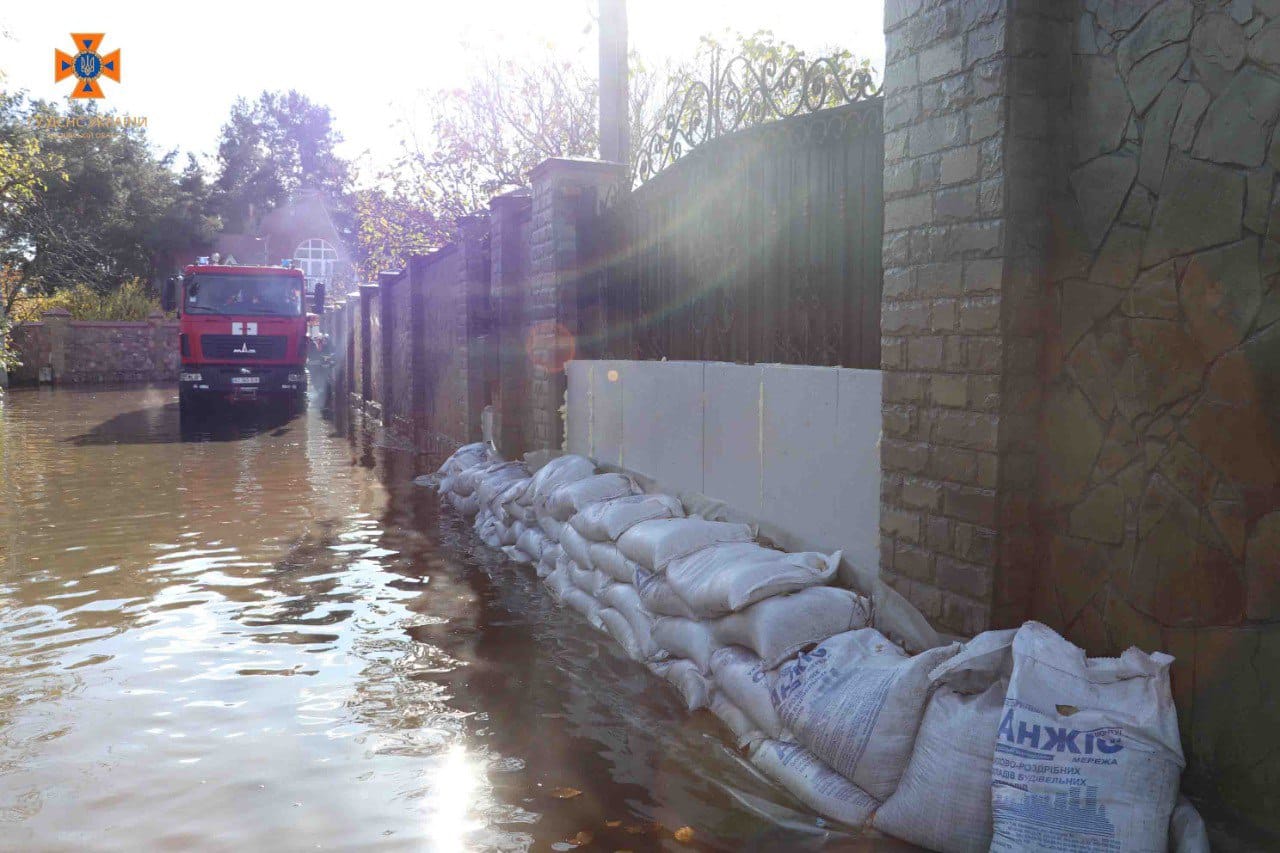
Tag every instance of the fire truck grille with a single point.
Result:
(239, 346)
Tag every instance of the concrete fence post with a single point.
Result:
(58, 323)
(507, 261)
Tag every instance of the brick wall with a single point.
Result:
(97, 352)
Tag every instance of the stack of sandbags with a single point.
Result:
(947, 747)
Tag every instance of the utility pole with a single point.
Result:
(615, 122)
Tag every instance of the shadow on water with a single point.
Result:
(165, 425)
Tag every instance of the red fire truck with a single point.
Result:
(243, 333)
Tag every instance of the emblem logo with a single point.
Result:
(87, 65)
(244, 350)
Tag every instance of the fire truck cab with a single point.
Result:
(243, 334)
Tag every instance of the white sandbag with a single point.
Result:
(624, 599)
(578, 549)
(745, 731)
(551, 554)
(812, 782)
(464, 457)
(504, 501)
(490, 533)
(741, 677)
(509, 534)
(468, 481)
(467, 505)
(550, 527)
(497, 481)
(566, 500)
(532, 541)
(654, 544)
(658, 597)
(692, 685)
(725, 578)
(943, 801)
(778, 628)
(606, 557)
(559, 582)
(576, 599)
(515, 555)
(557, 472)
(1087, 753)
(590, 581)
(607, 520)
(685, 638)
(891, 613)
(1187, 833)
(856, 702)
(618, 627)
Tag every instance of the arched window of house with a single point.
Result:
(317, 259)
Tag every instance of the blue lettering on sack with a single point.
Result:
(1108, 741)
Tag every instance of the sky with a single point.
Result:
(368, 60)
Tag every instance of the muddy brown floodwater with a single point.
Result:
(260, 635)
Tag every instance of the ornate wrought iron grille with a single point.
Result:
(738, 94)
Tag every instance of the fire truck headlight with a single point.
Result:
(190, 377)
(295, 377)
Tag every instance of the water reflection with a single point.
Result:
(269, 637)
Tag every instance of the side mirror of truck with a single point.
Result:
(169, 295)
(319, 298)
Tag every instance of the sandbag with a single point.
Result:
(725, 578)
(943, 801)
(691, 684)
(1187, 833)
(559, 582)
(624, 599)
(532, 541)
(465, 456)
(490, 533)
(576, 547)
(550, 527)
(515, 555)
(577, 600)
(566, 500)
(589, 581)
(745, 731)
(658, 597)
(1092, 736)
(741, 677)
(467, 505)
(891, 613)
(509, 534)
(812, 782)
(777, 628)
(856, 701)
(557, 472)
(607, 520)
(505, 503)
(468, 481)
(654, 544)
(606, 557)
(509, 475)
(550, 557)
(617, 626)
(685, 638)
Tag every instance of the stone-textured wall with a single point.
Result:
(1160, 477)
(97, 352)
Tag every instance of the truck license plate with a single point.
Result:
(244, 380)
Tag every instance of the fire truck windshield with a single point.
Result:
(276, 295)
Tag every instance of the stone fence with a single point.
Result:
(60, 350)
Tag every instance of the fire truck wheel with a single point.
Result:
(189, 405)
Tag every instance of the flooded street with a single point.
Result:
(264, 635)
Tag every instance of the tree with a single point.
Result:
(485, 136)
(103, 206)
(272, 148)
(391, 227)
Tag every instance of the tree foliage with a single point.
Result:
(95, 204)
(391, 226)
(271, 149)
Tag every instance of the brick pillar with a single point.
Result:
(564, 194)
(57, 322)
(390, 375)
(474, 321)
(508, 262)
(968, 92)
(366, 352)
